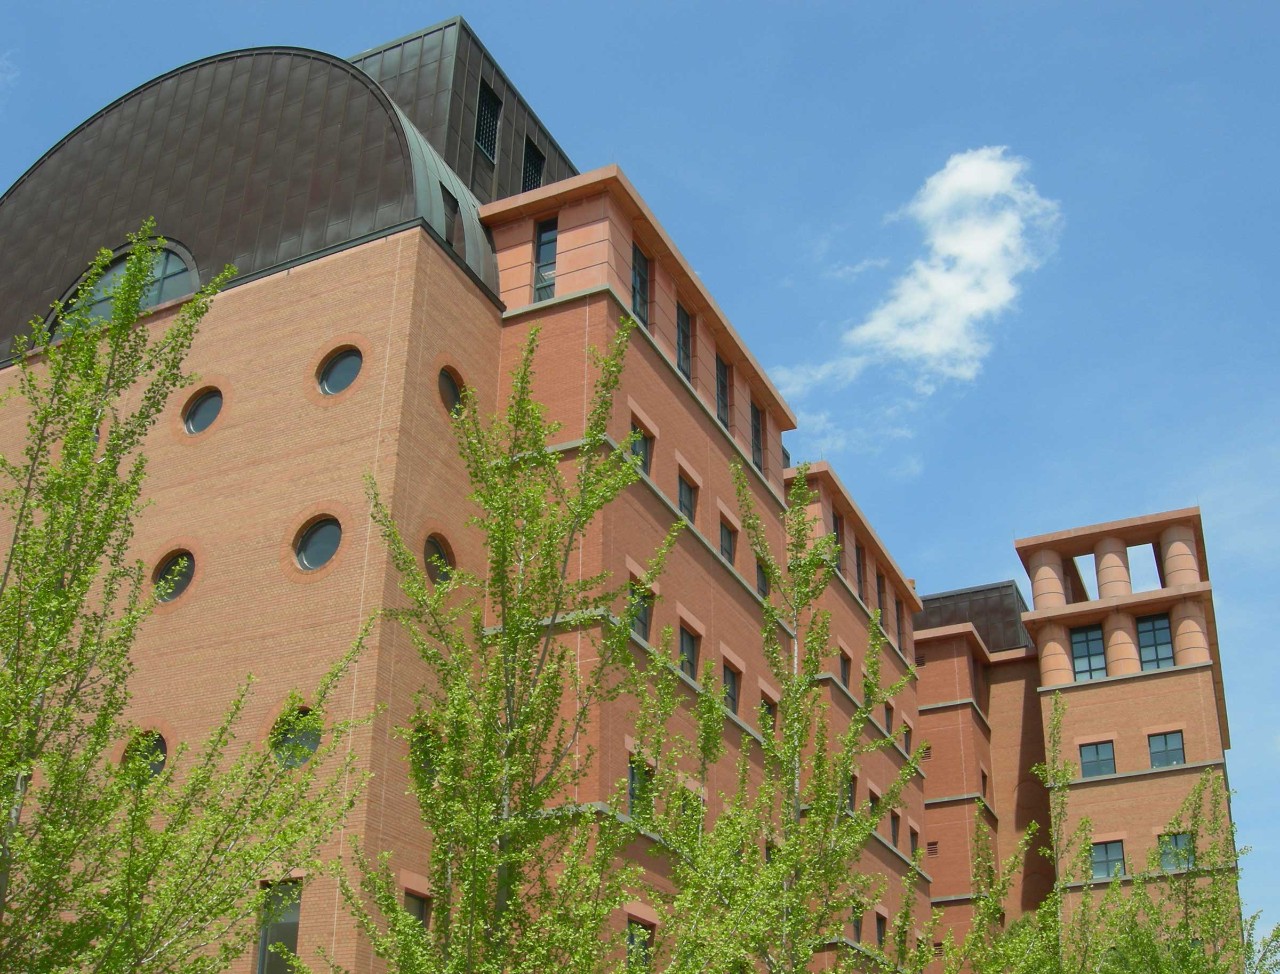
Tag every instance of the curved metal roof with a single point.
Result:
(258, 158)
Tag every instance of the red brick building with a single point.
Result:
(399, 221)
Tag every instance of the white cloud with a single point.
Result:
(794, 380)
(847, 272)
(984, 225)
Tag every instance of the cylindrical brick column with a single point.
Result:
(1055, 656)
(1048, 587)
(1120, 636)
(1111, 560)
(1181, 563)
(1190, 634)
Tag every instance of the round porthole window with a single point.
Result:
(177, 570)
(295, 737)
(340, 370)
(151, 747)
(318, 543)
(202, 411)
(450, 390)
(438, 559)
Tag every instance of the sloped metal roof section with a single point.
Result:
(260, 158)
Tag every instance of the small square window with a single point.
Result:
(1107, 859)
(1155, 643)
(1097, 759)
(728, 542)
(688, 653)
(418, 907)
(534, 164)
(640, 937)
(732, 680)
(488, 113)
(757, 436)
(642, 447)
(684, 342)
(688, 497)
(723, 383)
(1088, 653)
(642, 622)
(640, 285)
(1166, 749)
(1177, 852)
(762, 581)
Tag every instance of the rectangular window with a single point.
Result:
(1097, 759)
(488, 112)
(418, 907)
(851, 796)
(914, 836)
(770, 713)
(688, 653)
(1166, 749)
(757, 437)
(1177, 852)
(786, 459)
(640, 285)
(888, 717)
(639, 946)
(880, 598)
(544, 274)
(860, 570)
(1155, 644)
(873, 801)
(984, 783)
(906, 738)
(642, 447)
(684, 342)
(762, 581)
(1088, 655)
(722, 391)
(857, 926)
(1107, 859)
(279, 926)
(728, 542)
(732, 679)
(688, 497)
(837, 529)
(846, 665)
(882, 929)
(895, 828)
(643, 620)
(639, 787)
(534, 163)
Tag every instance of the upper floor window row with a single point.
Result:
(1088, 653)
(172, 277)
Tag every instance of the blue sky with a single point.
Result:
(1008, 257)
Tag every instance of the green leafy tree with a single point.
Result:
(133, 865)
(520, 658)
(772, 881)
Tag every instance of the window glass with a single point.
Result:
(732, 679)
(544, 275)
(151, 747)
(202, 411)
(280, 917)
(642, 622)
(1088, 655)
(1097, 759)
(684, 342)
(770, 714)
(172, 279)
(1166, 749)
(860, 569)
(688, 497)
(882, 929)
(837, 531)
(178, 569)
(845, 666)
(757, 437)
(728, 542)
(1155, 643)
(895, 828)
(295, 737)
(639, 946)
(450, 390)
(688, 653)
(318, 544)
(722, 391)
(1177, 852)
(488, 112)
(762, 581)
(642, 447)
(418, 907)
(340, 370)
(639, 787)
(438, 559)
(640, 285)
(1107, 859)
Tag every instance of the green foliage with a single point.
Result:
(108, 865)
(520, 659)
(772, 881)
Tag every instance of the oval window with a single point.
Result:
(318, 543)
(295, 737)
(202, 411)
(340, 370)
(177, 570)
(450, 390)
(149, 746)
(438, 559)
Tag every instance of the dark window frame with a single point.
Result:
(731, 679)
(757, 436)
(641, 284)
(687, 497)
(546, 236)
(1097, 758)
(1106, 859)
(642, 447)
(690, 645)
(724, 393)
(1155, 641)
(1163, 757)
(728, 542)
(1088, 653)
(684, 342)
